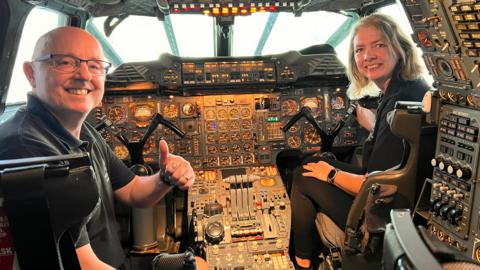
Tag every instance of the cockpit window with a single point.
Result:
(140, 38)
(287, 32)
(38, 22)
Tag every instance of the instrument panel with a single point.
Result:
(228, 130)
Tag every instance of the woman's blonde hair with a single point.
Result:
(399, 44)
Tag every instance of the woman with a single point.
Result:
(380, 53)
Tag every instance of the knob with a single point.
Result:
(452, 168)
(454, 215)
(444, 211)
(214, 232)
(464, 173)
(437, 206)
(433, 202)
(442, 165)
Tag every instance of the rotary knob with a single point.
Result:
(214, 232)
(452, 168)
(464, 173)
(436, 161)
(454, 215)
(443, 165)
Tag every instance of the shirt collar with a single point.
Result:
(39, 109)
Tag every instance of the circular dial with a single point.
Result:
(236, 159)
(234, 125)
(121, 151)
(246, 113)
(294, 141)
(211, 149)
(223, 125)
(211, 126)
(225, 160)
(246, 124)
(211, 138)
(188, 109)
(248, 147)
(234, 113)
(170, 110)
(117, 114)
(235, 148)
(235, 136)
(246, 135)
(222, 114)
(248, 159)
(223, 137)
(143, 113)
(424, 38)
(338, 102)
(310, 135)
(210, 114)
(293, 128)
(223, 148)
(290, 106)
(314, 104)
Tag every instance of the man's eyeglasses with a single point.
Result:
(69, 64)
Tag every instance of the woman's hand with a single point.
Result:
(366, 118)
(318, 170)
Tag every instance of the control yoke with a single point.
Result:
(135, 148)
(326, 138)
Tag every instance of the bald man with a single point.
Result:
(67, 76)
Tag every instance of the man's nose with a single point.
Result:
(83, 72)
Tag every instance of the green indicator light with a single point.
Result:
(273, 119)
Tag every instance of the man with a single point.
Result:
(67, 75)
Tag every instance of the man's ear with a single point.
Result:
(28, 70)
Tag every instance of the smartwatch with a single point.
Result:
(331, 176)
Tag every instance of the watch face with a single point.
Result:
(331, 173)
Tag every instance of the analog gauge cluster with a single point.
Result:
(315, 104)
(310, 135)
(290, 107)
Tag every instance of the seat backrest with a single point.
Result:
(406, 122)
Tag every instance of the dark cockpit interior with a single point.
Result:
(244, 103)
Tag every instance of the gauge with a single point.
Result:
(294, 128)
(235, 136)
(246, 124)
(246, 135)
(121, 151)
(424, 38)
(294, 141)
(223, 148)
(211, 138)
(235, 148)
(222, 114)
(310, 135)
(234, 113)
(184, 147)
(188, 109)
(212, 161)
(248, 147)
(143, 114)
(234, 125)
(224, 160)
(290, 107)
(223, 137)
(170, 110)
(246, 113)
(222, 125)
(210, 114)
(117, 114)
(236, 160)
(211, 149)
(248, 159)
(338, 102)
(211, 126)
(314, 103)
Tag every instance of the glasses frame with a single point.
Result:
(49, 57)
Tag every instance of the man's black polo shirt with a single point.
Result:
(33, 132)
